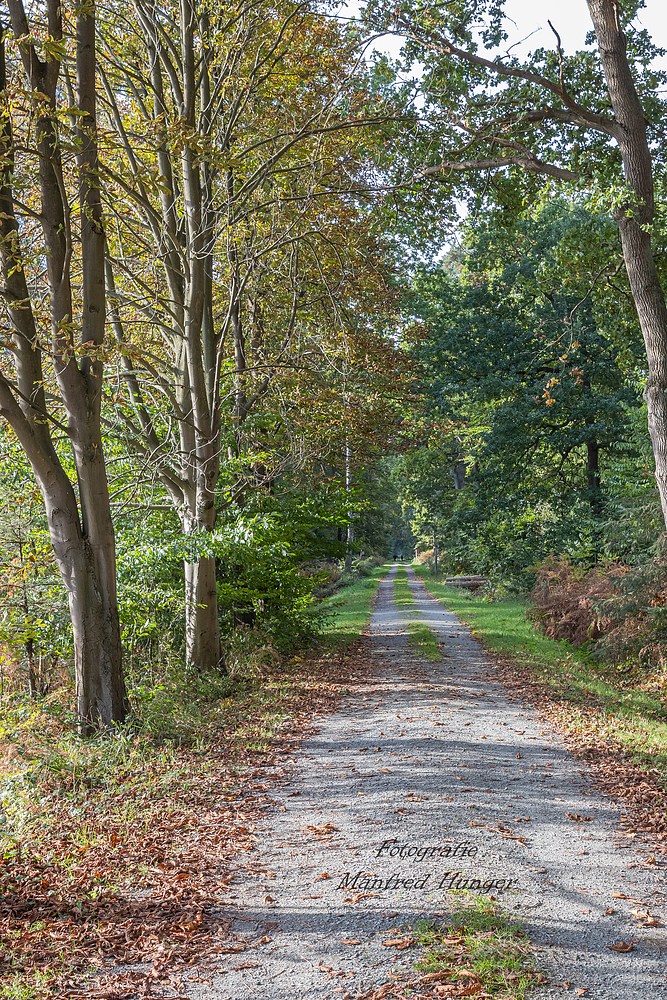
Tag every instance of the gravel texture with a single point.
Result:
(436, 755)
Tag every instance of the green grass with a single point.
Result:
(478, 946)
(402, 594)
(348, 611)
(423, 641)
(626, 713)
(420, 636)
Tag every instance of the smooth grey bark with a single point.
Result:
(593, 479)
(81, 531)
(349, 538)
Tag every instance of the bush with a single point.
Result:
(568, 601)
(621, 612)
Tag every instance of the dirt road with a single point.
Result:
(435, 756)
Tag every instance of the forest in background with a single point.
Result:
(275, 310)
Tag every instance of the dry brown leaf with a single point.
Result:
(322, 829)
(399, 943)
(622, 946)
(434, 977)
(576, 818)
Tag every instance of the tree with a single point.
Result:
(533, 387)
(51, 384)
(546, 116)
(232, 150)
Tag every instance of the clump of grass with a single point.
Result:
(420, 637)
(478, 946)
(402, 594)
(423, 641)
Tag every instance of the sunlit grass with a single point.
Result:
(348, 611)
(420, 637)
(478, 947)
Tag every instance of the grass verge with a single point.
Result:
(349, 610)
(594, 703)
(420, 637)
(119, 849)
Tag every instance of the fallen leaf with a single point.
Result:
(623, 946)
(399, 943)
(576, 818)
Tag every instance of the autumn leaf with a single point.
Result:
(399, 943)
(622, 946)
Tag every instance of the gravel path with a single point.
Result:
(435, 755)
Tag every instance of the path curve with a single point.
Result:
(432, 754)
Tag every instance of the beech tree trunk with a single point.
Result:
(202, 625)
(633, 222)
(81, 529)
(202, 629)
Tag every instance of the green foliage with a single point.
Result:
(535, 400)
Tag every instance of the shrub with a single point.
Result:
(569, 602)
(621, 612)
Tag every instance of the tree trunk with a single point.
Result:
(202, 625)
(100, 690)
(202, 628)
(634, 220)
(593, 477)
(459, 474)
(89, 576)
(349, 542)
(81, 530)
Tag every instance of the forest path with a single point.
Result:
(424, 750)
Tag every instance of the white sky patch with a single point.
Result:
(528, 19)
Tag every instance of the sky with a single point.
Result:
(569, 17)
